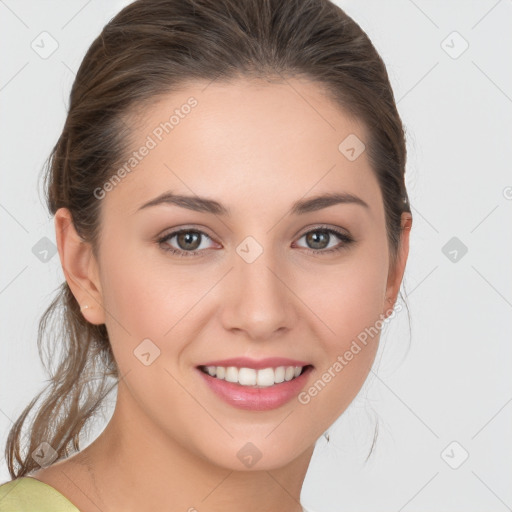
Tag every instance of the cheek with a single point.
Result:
(145, 292)
(347, 302)
(148, 296)
(346, 298)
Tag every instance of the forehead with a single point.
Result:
(243, 141)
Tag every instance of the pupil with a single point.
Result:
(313, 238)
(188, 239)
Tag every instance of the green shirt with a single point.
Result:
(26, 494)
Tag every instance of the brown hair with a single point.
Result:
(152, 48)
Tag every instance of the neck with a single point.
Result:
(136, 466)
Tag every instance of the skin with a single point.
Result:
(256, 147)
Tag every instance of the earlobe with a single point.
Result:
(80, 267)
(395, 275)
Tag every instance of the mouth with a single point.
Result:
(255, 378)
(262, 389)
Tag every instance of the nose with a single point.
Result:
(258, 298)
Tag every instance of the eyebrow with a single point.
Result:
(300, 207)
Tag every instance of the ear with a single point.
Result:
(396, 274)
(80, 267)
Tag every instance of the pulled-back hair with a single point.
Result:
(149, 49)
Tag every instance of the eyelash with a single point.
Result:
(346, 239)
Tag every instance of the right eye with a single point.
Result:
(189, 242)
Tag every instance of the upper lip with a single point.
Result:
(257, 364)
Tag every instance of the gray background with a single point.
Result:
(438, 396)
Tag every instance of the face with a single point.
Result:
(253, 274)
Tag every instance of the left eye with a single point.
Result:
(189, 241)
(317, 237)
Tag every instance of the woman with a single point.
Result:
(232, 221)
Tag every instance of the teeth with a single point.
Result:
(251, 377)
(231, 374)
(279, 374)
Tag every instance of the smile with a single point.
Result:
(262, 389)
(261, 378)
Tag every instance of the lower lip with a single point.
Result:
(257, 399)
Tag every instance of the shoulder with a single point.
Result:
(27, 494)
